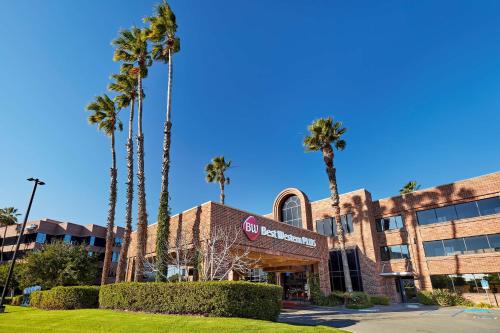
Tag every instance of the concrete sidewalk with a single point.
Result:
(398, 318)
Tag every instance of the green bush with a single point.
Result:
(442, 297)
(380, 300)
(482, 305)
(218, 298)
(66, 298)
(425, 297)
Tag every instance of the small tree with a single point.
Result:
(221, 253)
(58, 264)
(409, 187)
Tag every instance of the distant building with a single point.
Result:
(45, 231)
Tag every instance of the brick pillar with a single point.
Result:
(324, 276)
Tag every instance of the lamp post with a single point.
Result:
(13, 262)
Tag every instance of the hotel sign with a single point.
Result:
(253, 230)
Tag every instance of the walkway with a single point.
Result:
(398, 318)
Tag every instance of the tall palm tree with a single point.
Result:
(8, 216)
(215, 173)
(125, 83)
(324, 133)
(132, 48)
(105, 116)
(162, 29)
(409, 187)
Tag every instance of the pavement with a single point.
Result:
(398, 318)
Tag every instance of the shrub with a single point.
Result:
(442, 297)
(66, 298)
(17, 300)
(425, 297)
(218, 298)
(380, 300)
(482, 305)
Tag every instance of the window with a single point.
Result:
(389, 223)
(100, 242)
(67, 239)
(347, 225)
(394, 252)
(290, 211)
(92, 240)
(494, 241)
(328, 227)
(466, 283)
(90, 253)
(41, 238)
(115, 256)
(426, 216)
(118, 241)
(453, 246)
(446, 213)
(459, 211)
(467, 210)
(489, 206)
(475, 244)
(337, 281)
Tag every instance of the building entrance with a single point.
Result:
(405, 285)
(294, 286)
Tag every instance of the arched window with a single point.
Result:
(290, 211)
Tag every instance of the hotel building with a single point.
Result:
(442, 237)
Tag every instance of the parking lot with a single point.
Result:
(400, 318)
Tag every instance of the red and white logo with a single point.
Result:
(251, 228)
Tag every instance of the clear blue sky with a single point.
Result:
(416, 82)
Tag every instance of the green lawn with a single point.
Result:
(21, 319)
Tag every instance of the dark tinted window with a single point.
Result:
(426, 216)
(328, 227)
(453, 246)
(434, 248)
(389, 223)
(384, 253)
(466, 210)
(100, 242)
(489, 206)
(476, 244)
(494, 241)
(394, 252)
(446, 213)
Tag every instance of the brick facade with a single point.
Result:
(378, 276)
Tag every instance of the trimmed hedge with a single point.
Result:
(218, 298)
(380, 300)
(66, 298)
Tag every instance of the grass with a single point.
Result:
(21, 319)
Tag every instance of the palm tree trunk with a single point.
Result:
(122, 261)
(142, 218)
(222, 195)
(334, 195)
(163, 231)
(111, 216)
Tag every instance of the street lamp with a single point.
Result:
(13, 262)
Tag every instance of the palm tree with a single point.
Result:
(8, 216)
(105, 115)
(125, 83)
(324, 133)
(215, 174)
(132, 48)
(162, 31)
(409, 187)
